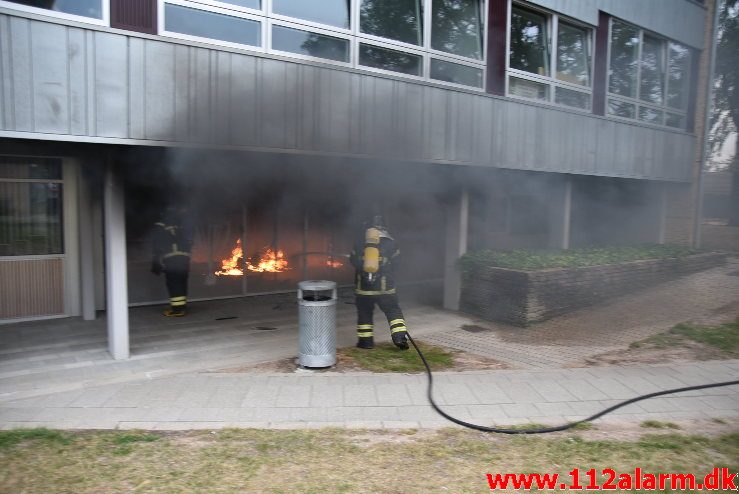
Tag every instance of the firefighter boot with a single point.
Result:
(174, 312)
(400, 339)
(366, 342)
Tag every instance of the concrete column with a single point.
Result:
(87, 255)
(116, 281)
(561, 216)
(456, 245)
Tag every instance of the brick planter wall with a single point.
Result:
(525, 297)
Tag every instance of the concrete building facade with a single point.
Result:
(475, 123)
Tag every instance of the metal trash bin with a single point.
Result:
(317, 323)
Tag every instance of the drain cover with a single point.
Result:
(265, 328)
(471, 328)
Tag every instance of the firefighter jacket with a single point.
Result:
(383, 281)
(172, 238)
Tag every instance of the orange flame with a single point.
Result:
(333, 263)
(232, 266)
(270, 262)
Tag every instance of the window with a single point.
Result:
(455, 73)
(439, 40)
(92, 9)
(457, 27)
(330, 12)
(85, 8)
(206, 24)
(387, 59)
(30, 207)
(549, 58)
(649, 77)
(310, 44)
(398, 20)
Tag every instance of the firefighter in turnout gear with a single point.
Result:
(172, 241)
(372, 258)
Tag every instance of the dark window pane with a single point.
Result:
(331, 12)
(678, 77)
(573, 54)
(650, 115)
(621, 109)
(652, 70)
(87, 8)
(387, 59)
(30, 168)
(393, 19)
(624, 59)
(569, 97)
(252, 4)
(211, 25)
(529, 42)
(675, 120)
(456, 73)
(528, 89)
(457, 27)
(311, 44)
(30, 218)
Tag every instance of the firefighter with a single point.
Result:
(172, 241)
(373, 257)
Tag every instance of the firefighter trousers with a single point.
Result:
(388, 304)
(176, 271)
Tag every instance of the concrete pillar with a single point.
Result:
(87, 255)
(561, 216)
(456, 245)
(116, 282)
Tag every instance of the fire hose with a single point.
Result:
(555, 428)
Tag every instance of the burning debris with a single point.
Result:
(270, 261)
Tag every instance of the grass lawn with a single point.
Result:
(328, 461)
(386, 357)
(722, 340)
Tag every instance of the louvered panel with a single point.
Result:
(134, 15)
(31, 287)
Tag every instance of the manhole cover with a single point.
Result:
(265, 328)
(472, 328)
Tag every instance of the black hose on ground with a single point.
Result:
(555, 428)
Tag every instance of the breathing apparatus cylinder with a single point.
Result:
(371, 252)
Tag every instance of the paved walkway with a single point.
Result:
(709, 296)
(210, 401)
(58, 373)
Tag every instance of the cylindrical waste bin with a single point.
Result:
(317, 323)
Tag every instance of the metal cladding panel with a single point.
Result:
(50, 66)
(111, 84)
(71, 81)
(77, 84)
(159, 93)
(680, 20)
(21, 73)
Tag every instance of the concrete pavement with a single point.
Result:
(364, 400)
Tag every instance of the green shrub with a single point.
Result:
(531, 260)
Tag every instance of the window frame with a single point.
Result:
(104, 21)
(551, 81)
(268, 19)
(61, 181)
(292, 25)
(217, 10)
(636, 101)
